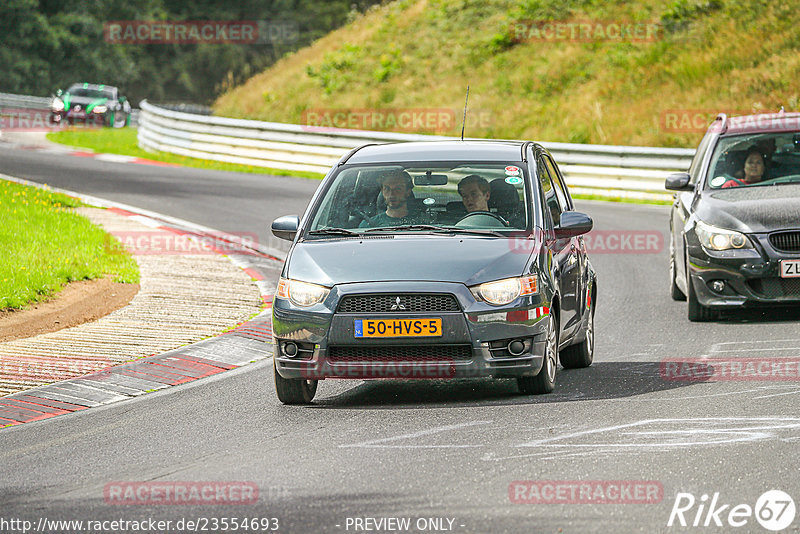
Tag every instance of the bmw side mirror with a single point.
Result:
(679, 182)
(286, 227)
(573, 223)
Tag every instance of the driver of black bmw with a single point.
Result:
(474, 191)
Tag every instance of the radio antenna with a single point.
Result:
(465, 114)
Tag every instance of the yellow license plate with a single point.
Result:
(398, 327)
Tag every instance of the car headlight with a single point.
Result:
(506, 291)
(100, 109)
(301, 293)
(57, 105)
(714, 238)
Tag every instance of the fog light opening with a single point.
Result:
(290, 349)
(516, 347)
(718, 286)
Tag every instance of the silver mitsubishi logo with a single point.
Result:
(397, 305)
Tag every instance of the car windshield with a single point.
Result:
(80, 91)
(755, 160)
(447, 198)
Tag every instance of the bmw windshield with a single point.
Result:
(755, 160)
(458, 197)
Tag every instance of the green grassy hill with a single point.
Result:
(715, 55)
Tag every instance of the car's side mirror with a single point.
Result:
(286, 227)
(679, 182)
(573, 223)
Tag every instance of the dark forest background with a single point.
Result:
(49, 44)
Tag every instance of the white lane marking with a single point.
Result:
(795, 392)
(718, 435)
(147, 221)
(114, 158)
(737, 351)
(379, 443)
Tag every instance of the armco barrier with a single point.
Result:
(594, 169)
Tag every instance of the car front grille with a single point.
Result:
(775, 287)
(786, 241)
(392, 353)
(400, 303)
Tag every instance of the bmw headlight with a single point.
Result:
(506, 291)
(301, 293)
(57, 105)
(714, 238)
(100, 109)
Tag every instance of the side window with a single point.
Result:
(551, 199)
(558, 182)
(697, 161)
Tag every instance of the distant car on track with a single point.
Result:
(86, 103)
(735, 222)
(435, 260)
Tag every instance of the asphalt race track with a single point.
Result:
(429, 449)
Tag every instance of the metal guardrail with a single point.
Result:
(594, 169)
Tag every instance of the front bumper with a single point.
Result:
(473, 341)
(751, 277)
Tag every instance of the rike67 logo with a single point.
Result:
(774, 510)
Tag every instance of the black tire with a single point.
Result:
(696, 311)
(674, 291)
(294, 390)
(545, 381)
(581, 354)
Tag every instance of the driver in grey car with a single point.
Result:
(474, 191)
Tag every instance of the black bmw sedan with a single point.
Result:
(735, 220)
(435, 260)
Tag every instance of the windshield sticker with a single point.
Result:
(513, 180)
(429, 201)
(512, 170)
(718, 181)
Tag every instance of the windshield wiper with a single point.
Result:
(436, 229)
(333, 231)
(429, 227)
(475, 231)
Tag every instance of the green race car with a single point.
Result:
(87, 103)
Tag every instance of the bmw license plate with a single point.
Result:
(425, 327)
(790, 268)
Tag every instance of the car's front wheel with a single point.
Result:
(545, 381)
(674, 290)
(294, 390)
(697, 312)
(580, 355)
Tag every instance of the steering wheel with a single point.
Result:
(481, 213)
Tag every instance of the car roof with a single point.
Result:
(92, 86)
(759, 123)
(455, 150)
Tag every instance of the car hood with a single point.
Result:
(457, 258)
(752, 209)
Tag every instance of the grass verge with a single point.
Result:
(123, 141)
(45, 245)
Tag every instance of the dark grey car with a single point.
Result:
(435, 260)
